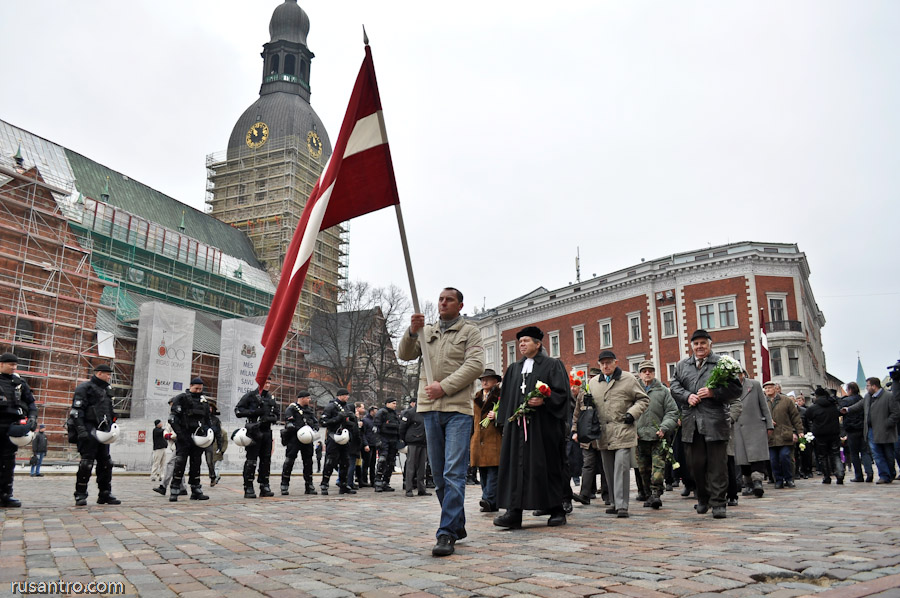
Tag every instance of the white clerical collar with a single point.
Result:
(528, 365)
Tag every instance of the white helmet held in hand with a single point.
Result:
(203, 440)
(20, 434)
(342, 437)
(107, 437)
(305, 435)
(241, 438)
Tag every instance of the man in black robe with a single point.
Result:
(532, 473)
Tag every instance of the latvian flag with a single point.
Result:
(358, 179)
(764, 343)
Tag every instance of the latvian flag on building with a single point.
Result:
(358, 179)
(764, 345)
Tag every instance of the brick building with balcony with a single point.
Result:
(649, 310)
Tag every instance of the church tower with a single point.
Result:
(276, 152)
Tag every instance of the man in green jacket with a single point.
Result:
(657, 422)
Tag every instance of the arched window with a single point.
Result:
(273, 64)
(289, 62)
(304, 70)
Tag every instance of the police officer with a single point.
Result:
(16, 404)
(387, 429)
(337, 416)
(92, 413)
(297, 415)
(261, 411)
(190, 415)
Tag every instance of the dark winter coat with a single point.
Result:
(824, 417)
(662, 414)
(710, 417)
(92, 407)
(16, 399)
(785, 420)
(881, 413)
(853, 420)
(484, 448)
(412, 427)
(751, 431)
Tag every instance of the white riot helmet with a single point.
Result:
(203, 440)
(342, 437)
(107, 437)
(305, 435)
(241, 438)
(20, 434)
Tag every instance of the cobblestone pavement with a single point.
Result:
(829, 541)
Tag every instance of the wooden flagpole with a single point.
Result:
(429, 377)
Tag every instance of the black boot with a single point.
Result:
(310, 489)
(285, 490)
(174, 493)
(511, 519)
(265, 491)
(197, 493)
(249, 492)
(81, 500)
(106, 498)
(8, 502)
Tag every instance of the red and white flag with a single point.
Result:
(358, 179)
(764, 344)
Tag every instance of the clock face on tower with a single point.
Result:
(313, 144)
(257, 135)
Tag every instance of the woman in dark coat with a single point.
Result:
(532, 473)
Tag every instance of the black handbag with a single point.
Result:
(588, 426)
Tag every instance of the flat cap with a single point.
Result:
(606, 354)
(9, 358)
(700, 333)
(646, 365)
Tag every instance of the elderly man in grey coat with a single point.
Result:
(751, 436)
(706, 423)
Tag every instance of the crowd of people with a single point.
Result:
(528, 434)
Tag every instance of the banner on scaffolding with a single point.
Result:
(239, 358)
(162, 367)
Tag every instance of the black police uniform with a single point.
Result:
(261, 411)
(337, 416)
(190, 414)
(92, 411)
(295, 417)
(16, 403)
(387, 428)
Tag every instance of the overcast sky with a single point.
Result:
(521, 131)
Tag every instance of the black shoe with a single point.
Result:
(669, 487)
(461, 534)
(108, 499)
(173, 497)
(856, 480)
(655, 502)
(540, 513)
(81, 501)
(789, 484)
(346, 490)
(387, 489)
(285, 490)
(701, 509)
(779, 485)
(197, 494)
(686, 492)
(444, 546)
(160, 490)
(732, 502)
(487, 507)
(581, 499)
(840, 481)
(719, 513)
(557, 519)
(641, 497)
(512, 519)
(883, 481)
(758, 489)
(310, 489)
(826, 480)
(622, 513)
(612, 511)
(324, 491)
(869, 479)
(409, 494)
(567, 506)
(265, 492)
(249, 492)
(747, 491)
(38, 475)
(379, 488)
(424, 493)
(182, 492)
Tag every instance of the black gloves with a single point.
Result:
(32, 423)
(629, 419)
(83, 433)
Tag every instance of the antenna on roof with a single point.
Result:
(577, 264)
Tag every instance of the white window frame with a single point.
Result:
(662, 322)
(729, 348)
(553, 336)
(575, 331)
(670, 370)
(799, 361)
(489, 357)
(783, 298)
(600, 325)
(716, 302)
(510, 353)
(628, 318)
(634, 361)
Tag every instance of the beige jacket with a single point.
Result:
(623, 394)
(457, 360)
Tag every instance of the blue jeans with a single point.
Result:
(884, 458)
(489, 484)
(448, 435)
(782, 466)
(36, 468)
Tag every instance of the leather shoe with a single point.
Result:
(622, 513)
(701, 509)
(856, 480)
(567, 506)
(612, 511)
(81, 501)
(486, 506)
(108, 499)
(779, 485)
(424, 493)
(160, 490)
(541, 513)
(581, 499)
(789, 484)
(409, 494)
(883, 481)
(758, 489)
(869, 479)
(444, 546)
(719, 513)
(732, 502)
(557, 519)
(511, 519)
(686, 492)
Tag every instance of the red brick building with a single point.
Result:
(649, 311)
